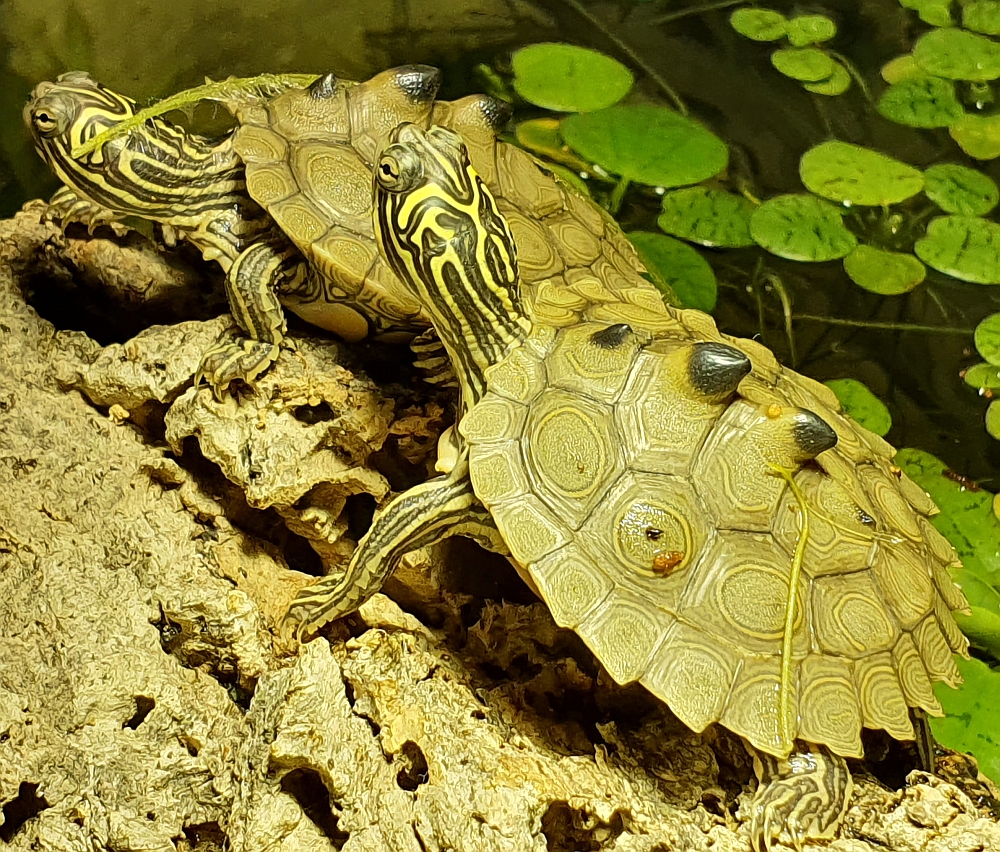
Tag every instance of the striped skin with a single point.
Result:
(439, 227)
(162, 173)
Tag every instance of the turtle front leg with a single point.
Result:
(427, 513)
(800, 798)
(252, 285)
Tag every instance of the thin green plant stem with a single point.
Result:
(786, 310)
(697, 10)
(887, 326)
(618, 195)
(853, 71)
(623, 46)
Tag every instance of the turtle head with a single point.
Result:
(440, 229)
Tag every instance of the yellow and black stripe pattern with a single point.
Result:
(159, 172)
(441, 231)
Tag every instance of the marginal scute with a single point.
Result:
(570, 585)
(519, 377)
(259, 144)
(904, 578)
(624, 632)
(534, 191)
(530, 529)
(935, 653)
(578, 246)
(953, 635)
(849, 617)
(828, 705)
(915, 495)
(493, 419)
(536, 256)
(884, 492)
(950, 593)
(882, 702)
(752, 706)
(498, 474)
(913, 676)
(300, 218)
(270, 182)
(344, 258)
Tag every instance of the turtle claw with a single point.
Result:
(226, 362)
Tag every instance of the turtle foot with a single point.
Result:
(227, 361)
(801, 799)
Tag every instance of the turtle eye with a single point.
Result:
(45, 122)
(398, 169)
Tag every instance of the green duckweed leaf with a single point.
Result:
(978, 135)
(987, 337)
(648, 144)
(851, 174)
(801, 227)
(887, 272)
(983, 376)
(838, 83)
(958, 55)
(810, 29)
(934, 12)
(901, 68)
(982, 16)
(921, 101)
(805, 64)
(972, 722)
(710, 217)
(993, 420)
(569, 78)
(964, 247)
(759, 24)
(862, 405)
(683, 270)
(966, 519)
(959, 189)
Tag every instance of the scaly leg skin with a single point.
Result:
(252, 285)
(800, 798)
(67, 206)
(422, 516)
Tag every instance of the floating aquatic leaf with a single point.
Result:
(958, 55)
(978, 135)
(934, 12)
(854, 175)
(569, 78)
(921, 101)
(648, 144)
(964, 247)
(966, 519)
(973, 715)
(810, 29)
(541, 136)
(801, 227)
(759, 24)
(862, 404)
(805, 64)
(901, 68)
(987, 339)
(983, 376)
(982, 625)
(959, 189)
(993, 420)
(982, 16)
(886, 272)
(838, 82)
(710, 217)
(684, 271)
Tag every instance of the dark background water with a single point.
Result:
(149, 49)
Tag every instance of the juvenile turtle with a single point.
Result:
(284, 203)
(706, 520)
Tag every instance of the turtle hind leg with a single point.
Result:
(252, 286)
(425, 514)
(800, 798)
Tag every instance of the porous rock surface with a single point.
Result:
(148, 539)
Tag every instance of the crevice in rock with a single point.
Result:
(206, 837)
(376, 728)
(413, 770)
(568, 829)
(307, 788)
(18, 811)
(143, 707)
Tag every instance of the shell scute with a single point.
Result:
(584, 362)
(849, 616)
(829, 709)
(571, 584)
(625, 633)
(882, 702)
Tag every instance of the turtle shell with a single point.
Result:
(664, 493)
(309, 155)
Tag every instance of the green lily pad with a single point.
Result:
(901, 68)
(647, 144)
(805, 64)
(972, 722)
(678, 265)
(982, 16)
(983, 376)
(886, 272)
(851, 174)
(541, 136)
(801, 227)
(759, 24)
(966, 519)
(937, 13)
(810, 29)
(964, 247)
(569, 78)
(959, 189)
(710, 217)
(987, 337)
(921, 101)
(978, 135)
(982, 625)
(837, 83)
(958, 55)
(993, 420)
(862, 404)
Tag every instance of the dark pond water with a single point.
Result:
(151, 49)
